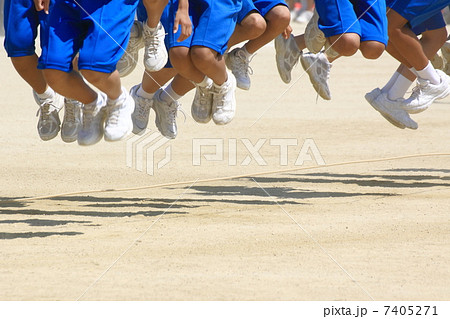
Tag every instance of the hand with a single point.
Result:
(182, 19)
(287, 32)
(42, 5)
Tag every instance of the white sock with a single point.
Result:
(247, 54)
(399, 88)
(168, 95)
(390, 83)
(49, 93)
(142, 93)
(120, 99)
(429, 73)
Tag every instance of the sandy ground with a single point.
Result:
(355, 232)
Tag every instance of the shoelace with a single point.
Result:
(143, 109)
(44, 111)
(244, 68)
(69, 111)
(204, 95)
(172, 114)
(153, 41)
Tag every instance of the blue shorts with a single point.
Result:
(264, 6)
(213, 23)
(417, 11)
(73, 30)
(433, 23)
(247, 7)
(367, 18)
(21, 21)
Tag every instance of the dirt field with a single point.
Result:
(355, 232)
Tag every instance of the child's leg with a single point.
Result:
(252, 26)
(26, 66)
(208, 62)
(278, 19)
(277, 15)
(143, 94)
(154, 10)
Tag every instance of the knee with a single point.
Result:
(202, 56)
(255, 25)
(372, 49)
(278, 18)
(346, 44)
(179, 58)
(93, 77)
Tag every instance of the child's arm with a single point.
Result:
(42, 5)
(182, 19)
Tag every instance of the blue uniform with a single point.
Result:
(213, 23)
(264, 6)
(260, 6)
(73, 29)
(417, 11)
(21, 22)
(367, 18)
(435, 22)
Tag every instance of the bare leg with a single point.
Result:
(251, 27)
(277, 21)
(26, 66)
(208, 62)
(154, 10)
(151, 82)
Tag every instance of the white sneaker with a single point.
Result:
(445, 50)
(166, 114)
(128, 61)
(237, 62)
(224, 101)
(286, 56)
(118, 124)
(304, 17)
(141, 110)
(72, 120)
(314, 38)
(155, 56)
(318, 69)
(391, 111)
(48, 123)
(92, 123)
(371, 97)
(201, 109)
(425, 93)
